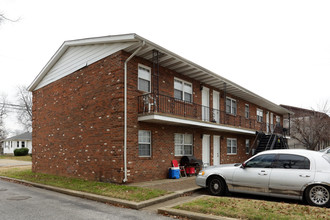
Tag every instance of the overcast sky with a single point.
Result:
(277, 49)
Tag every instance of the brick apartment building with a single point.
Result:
(82, 127)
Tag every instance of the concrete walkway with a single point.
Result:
(13, 163)
(184, 184)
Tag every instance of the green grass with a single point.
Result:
(130, 193)
(254, 209)
(11, 157)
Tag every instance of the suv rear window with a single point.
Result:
(291, 161)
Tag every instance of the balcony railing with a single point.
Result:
(161, 104)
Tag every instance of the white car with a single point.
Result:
(290, 173)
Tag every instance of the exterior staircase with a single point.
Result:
(270, 142)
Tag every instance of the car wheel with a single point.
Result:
(216, 186)
(318, 195)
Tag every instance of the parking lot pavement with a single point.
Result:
(13, 163)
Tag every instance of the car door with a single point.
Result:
(289, 175)
(253, 176)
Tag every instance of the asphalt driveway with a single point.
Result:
(13, 163)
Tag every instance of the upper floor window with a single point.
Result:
(247, 111)
(144, 83)
(231, 106)
(144, 143)
(183, 144)
(260, 115)
(182, 90)
(231, 146)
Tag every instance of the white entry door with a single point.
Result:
(216, 150)
(216, 106)
(271, 122)
(206, 149)
(205, 104)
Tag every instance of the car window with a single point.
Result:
(290, 161)
(262, 161)
(326, 157)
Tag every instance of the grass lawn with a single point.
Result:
(136, 194)
(253, 209)
(11, 157)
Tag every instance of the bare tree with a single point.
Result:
(3, 18)
(24, 113)
(312, 128)
(3, 112)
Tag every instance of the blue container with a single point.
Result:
(174, 173)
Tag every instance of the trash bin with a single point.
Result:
(174, 173)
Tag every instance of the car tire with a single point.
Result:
(216, 186)
(318, 195)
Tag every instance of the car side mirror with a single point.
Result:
(243, 165)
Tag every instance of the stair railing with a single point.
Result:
(254, 145)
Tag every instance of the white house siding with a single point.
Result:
(10, 146)
(77, 57)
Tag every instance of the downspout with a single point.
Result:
(125, 109)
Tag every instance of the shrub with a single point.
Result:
(21, 151)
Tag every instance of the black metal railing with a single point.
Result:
(152, 103)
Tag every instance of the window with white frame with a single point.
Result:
(231, 106)
(231, 146)
(183, 144)
(144, 82)
(183, 90)
(23, 144)
(247, 111)
(144, 143)
(17, 144)
(278, 119)
(260, 115)
(247, 146)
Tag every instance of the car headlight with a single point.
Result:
(201, 173)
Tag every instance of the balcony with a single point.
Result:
(168, 110)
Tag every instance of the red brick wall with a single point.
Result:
(78, 125)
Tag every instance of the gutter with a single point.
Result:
(125, 108)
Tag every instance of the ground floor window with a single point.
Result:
(17, 142)
(23, 144)
(144, 143)
(247, 146)
(231, 146)
(183, 144)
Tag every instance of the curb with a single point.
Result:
(169, 210)
(99, 198)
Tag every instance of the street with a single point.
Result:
(23, 202)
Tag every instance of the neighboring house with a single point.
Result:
(175, 108)
(18, 141)
(305, 116)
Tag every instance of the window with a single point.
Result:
(247, 146)
(17, 143)
(289, 161)
(231, 146)
(23, 144)
(144, 143)
(183, 144)
(182, 90)
(144, 83)
(262, 161)
(247, 111)
(231, 106)
(260, 115)
(278, 119)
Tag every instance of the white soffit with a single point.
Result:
(93, 49)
